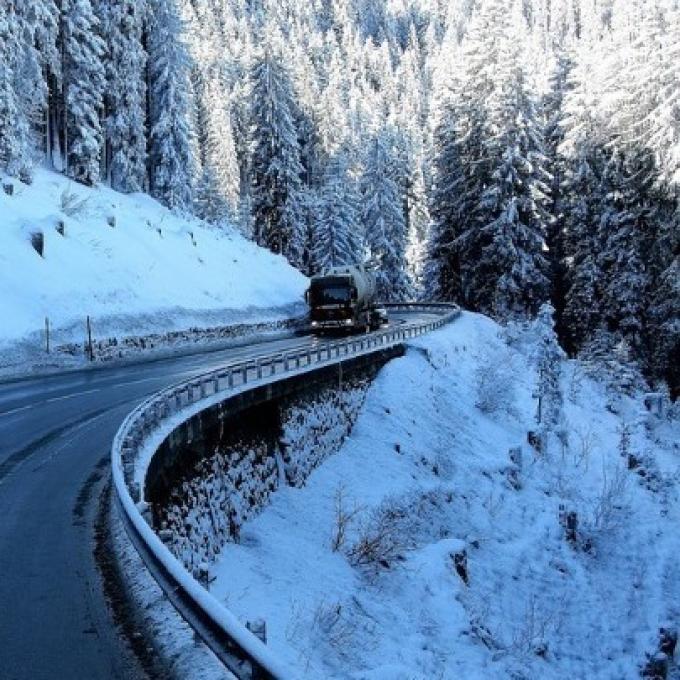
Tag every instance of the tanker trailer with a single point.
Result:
(344, 298)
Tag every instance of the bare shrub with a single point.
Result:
(530, 637)
(381, 541)
(611, 498)
(71, 204)
(335, 624)
(575, 384)
(494, 380)
(344, 517)
(586, 443)
(400, 524)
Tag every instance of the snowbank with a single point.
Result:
(478, 570)
(129, 263)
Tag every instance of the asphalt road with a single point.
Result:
(55, 437)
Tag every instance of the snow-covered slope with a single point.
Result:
(129, 263)
(477, 572)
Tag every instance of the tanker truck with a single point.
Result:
(344, 298)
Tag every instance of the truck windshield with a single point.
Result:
(331, 294)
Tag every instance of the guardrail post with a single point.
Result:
(259, 369)
(244, 374)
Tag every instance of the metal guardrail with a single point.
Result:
(145, 428)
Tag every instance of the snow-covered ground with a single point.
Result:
(134, 267)
(456, 562)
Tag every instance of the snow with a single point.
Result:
(154, 270)
(536, 603)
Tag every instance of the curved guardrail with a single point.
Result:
(145, 429)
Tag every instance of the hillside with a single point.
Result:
(130, 264)
(458, 562)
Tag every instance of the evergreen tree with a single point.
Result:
(335, 229)
(275, 162)
(553, 112)
(46, 25)
(418, 228)
(84, 84)
(664, 122)
(503, 270)
(170, 158)
(583, 313)
(665, 323)
(125, 98)
(383, 221)
(582, 199)
(15, 148)
(35, 32)
(625, 284)
(549, 369)
(442, 268)
(462, 168)
(218, 189)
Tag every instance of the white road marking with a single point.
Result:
(71, 396)
(137, 382)
(15, 410)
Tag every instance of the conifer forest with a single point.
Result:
(501, 154)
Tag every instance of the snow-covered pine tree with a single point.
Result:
(648, 125)
(462, 167)
(335, 228)
(46, 15)
(549, 369)
(583, 313)
(170, 158)
(585, 158)
(442, 268)
(383, 220)
(665, 322)
(664, 123)
(84, 83)
(622, 225)
(418, 229)
(125, 98)
(34, 60)
(14, 130)
(275, 161)
(503, 266)
(553, 113)
(217, 193)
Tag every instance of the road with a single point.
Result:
(55, 436)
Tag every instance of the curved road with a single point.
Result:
(55, 436)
